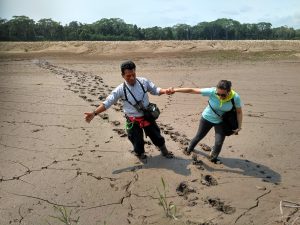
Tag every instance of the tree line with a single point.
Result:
(22, 28)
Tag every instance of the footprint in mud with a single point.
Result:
(192, 202)
(95, 105)
(208, 180)
(199, 163)
(115, 123)
(184, 189)
(104, 116)
(255, 114)
(120, 132)
(110, 138)
(184, 141)
(174, 135)
(36, 130)
(220, 205)
(101, 98)
(205, 147)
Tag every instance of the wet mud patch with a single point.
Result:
(220, 205)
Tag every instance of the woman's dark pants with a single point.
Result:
(203, 129)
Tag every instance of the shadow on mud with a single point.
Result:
(177, 164)
(245, 167)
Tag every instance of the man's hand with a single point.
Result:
(89, 116)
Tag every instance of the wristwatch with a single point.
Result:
(95, 114)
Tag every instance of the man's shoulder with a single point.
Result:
(119, 88)
(142, 79)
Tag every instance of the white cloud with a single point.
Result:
(290, 21)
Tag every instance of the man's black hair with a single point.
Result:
(127, 65)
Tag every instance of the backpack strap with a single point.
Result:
(125, 93)
(213, 109)
(142, 86)
(232, 102)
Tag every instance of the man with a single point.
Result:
(134, 94)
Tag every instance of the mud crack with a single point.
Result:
(252, 207)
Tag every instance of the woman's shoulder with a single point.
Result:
(236, 96)
(237, 100)
(208, 91)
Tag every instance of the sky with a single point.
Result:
(162, 13)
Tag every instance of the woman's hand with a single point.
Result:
(236, 132)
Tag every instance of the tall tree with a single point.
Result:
(264, 29)
(153, 33)
(4, 30)
(182, 31)
(229, 28)
(21, 28)
(47, 29)
(72, 31)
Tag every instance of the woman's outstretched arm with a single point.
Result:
(188, 90)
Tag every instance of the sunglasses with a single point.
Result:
(221, 95)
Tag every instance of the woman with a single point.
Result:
(220, 100)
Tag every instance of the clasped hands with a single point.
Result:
(170, 91)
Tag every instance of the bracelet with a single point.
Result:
(95, 114)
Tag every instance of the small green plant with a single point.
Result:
(169, 207)
(64, 216)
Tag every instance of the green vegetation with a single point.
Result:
(22, 28)
(64, 215)
(169, 208)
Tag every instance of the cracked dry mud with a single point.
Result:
(50, 156)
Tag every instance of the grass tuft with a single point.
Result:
(169, 208)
